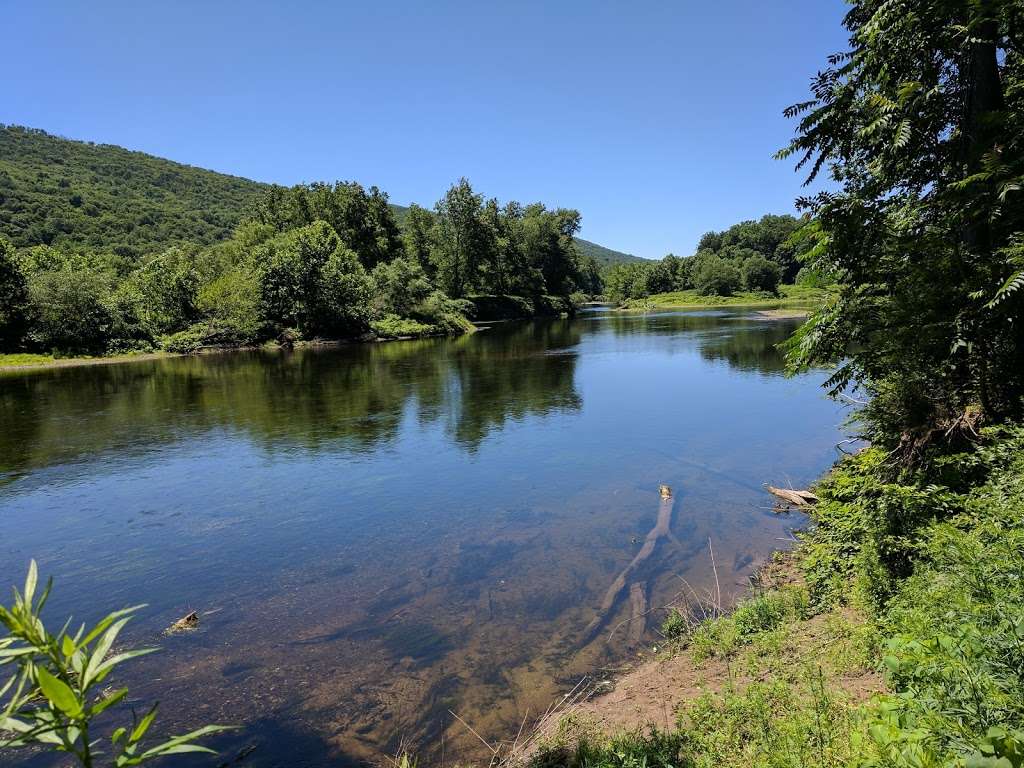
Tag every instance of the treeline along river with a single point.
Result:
(374, 535)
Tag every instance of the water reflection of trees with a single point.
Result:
(753, 347)
(745, 342)
(352, 398)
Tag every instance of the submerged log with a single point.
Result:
(796, 498)
(659, 531)
(637, 612)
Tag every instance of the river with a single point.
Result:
(376, 534)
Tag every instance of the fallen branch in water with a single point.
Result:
(659, 531)
(796, 498)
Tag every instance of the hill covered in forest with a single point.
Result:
(605, 256)
(57, 191)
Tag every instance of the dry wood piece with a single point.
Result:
(659, 531)
(185, 623)
(796, 498)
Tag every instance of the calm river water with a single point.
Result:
(377, 534)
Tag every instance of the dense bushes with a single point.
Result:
(716, 277)
(759, 274)
(308, 280)
(955, 610)
(69, 310)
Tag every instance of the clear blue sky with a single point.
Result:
(657, 120)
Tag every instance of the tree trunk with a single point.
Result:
(983, 95)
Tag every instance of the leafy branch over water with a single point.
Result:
(55, 695)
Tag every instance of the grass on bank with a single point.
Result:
(788, 296)
(24, 358)
(920, 579)
(17, 360)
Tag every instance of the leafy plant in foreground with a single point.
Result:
(55, 691)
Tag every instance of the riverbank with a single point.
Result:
(394, 332)
(487, 309)
(789, 296)
(716, 685)
(889, 637)
(28, 361)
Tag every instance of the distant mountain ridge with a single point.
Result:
(605, 256)
(62, 191)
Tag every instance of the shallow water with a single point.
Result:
(378, 534)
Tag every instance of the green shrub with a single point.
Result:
(676, 625)
(955, 654)
(777, 723)
(69, 310)
(715, 276)
(207, 334)
(723, 635)
(394, 327)
(502, 307)
(864, 528)
(653, 749)
(448, 315)
(760, 274)
(760, 614)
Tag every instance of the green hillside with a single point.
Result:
(58, 191)
(605, 256)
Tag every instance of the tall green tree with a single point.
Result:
(13, 298)
(166, 289)
(70, 311)
(921, 123)
(548, 238)
(417, 237)
(759, 273)
(461, 238)
(362, 220)
(715, 276)
(310, 281)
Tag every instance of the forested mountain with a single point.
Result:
(56, 191)
(605, 256)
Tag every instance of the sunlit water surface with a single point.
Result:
(378, 534)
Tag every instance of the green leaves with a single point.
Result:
(46, 701)
(59, 694)
(921, 124)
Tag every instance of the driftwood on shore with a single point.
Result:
(659, 531)
(796, 498)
